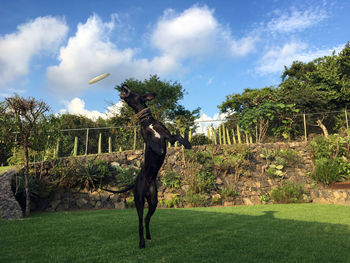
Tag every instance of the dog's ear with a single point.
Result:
(149, 96)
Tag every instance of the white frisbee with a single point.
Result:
(98, 78)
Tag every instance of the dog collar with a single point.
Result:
(143, 113)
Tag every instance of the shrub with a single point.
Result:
(175, 201)
(202, 182)
(265, 198)
(331, 158)
(196, 200)
(328, 171)
(123, 177)
(228, 193)
(200, 139)
(171, 179)
(288, 193)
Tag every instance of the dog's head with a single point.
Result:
(134, 100)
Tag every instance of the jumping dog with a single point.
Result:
(155, 136)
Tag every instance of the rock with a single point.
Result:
(132, 157)
(81, 202)
(168, 196)
(53, 205)
(119, 205)
(98, 204)
(219, 181)
(104, 197)
(229, 203)
(252, 200)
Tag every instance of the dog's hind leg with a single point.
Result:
(152, 199)
(139, 197)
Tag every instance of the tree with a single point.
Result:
(28, 117)
(322, 85)
(261, 109)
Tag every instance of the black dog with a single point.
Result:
(155, 136)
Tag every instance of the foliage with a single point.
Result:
(202, 181)
(265, 198)
(18, 187)
(200, 139)
(331, 158)
(196, 199)
(277, 160)
(90, 175)
(275, 170)
(171, 179)
(290, 192)
(228, 192)
(322, 85)
(175, 201)
(28, 119)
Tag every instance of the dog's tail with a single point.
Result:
(120, 191)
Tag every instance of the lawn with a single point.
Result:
(270, 233)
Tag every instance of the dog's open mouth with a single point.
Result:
(125, 92)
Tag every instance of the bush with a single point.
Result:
(196, 200)
(288, 193)
(331, 158)
(175, 201)
(328, 171)
(171, 179)
(228, 193)
(200, 139)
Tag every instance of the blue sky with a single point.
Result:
(51, 49)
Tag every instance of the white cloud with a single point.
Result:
(44, 34)
(276, 58)
(296, 20)
(90, 52)
(77, 107)
(196, 32)
(206, 121)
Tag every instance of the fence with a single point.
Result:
(74, 142)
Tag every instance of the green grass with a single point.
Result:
(270, 233)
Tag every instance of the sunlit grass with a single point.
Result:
(271, 233)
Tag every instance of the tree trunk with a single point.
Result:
(26, 176)
(323, 127)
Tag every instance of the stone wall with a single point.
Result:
(9, 207)
(250, 184)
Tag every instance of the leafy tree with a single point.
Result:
(29, 120)
(322, 85)
(261, 109)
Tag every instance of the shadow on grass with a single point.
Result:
(179, 235)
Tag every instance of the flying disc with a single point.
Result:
(98, 78)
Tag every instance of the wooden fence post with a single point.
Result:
(239, 135)
(134, 147)
(75, 149)
(234, 137)
(99, 150)
(305, 130)
(57, 148)
(109, 144)
(86, 141)
(228, 137)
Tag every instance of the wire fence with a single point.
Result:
(300, 127)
